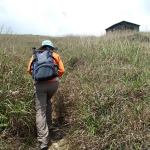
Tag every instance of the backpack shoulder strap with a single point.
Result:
(51, 55)
(34, 57)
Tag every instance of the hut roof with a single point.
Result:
(122, 22)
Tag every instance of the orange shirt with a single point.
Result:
(57, 61)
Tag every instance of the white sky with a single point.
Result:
(78, 17)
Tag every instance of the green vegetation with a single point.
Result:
(104, 94)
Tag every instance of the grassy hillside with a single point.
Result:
(103, 97)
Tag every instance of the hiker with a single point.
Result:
(44, 90)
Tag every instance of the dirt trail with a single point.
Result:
(59, 145)
(58, 136)
(59, 141)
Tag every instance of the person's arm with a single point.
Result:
(61, 68)
(60, 64)
(29, 65)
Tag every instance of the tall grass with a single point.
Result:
(104, 94)
(113, 94)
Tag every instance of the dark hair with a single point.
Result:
(47, 47)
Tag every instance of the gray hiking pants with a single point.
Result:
(43, 94)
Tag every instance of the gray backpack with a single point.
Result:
(43, 67)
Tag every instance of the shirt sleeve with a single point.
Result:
(61, 69)
(29, 65)
(60, 64)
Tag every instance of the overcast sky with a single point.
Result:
(78, 17)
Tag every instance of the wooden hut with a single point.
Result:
(123, 25)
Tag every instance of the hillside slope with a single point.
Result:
(103, 98)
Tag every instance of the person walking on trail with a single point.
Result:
(45, 87)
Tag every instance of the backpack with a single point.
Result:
(43, 67)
